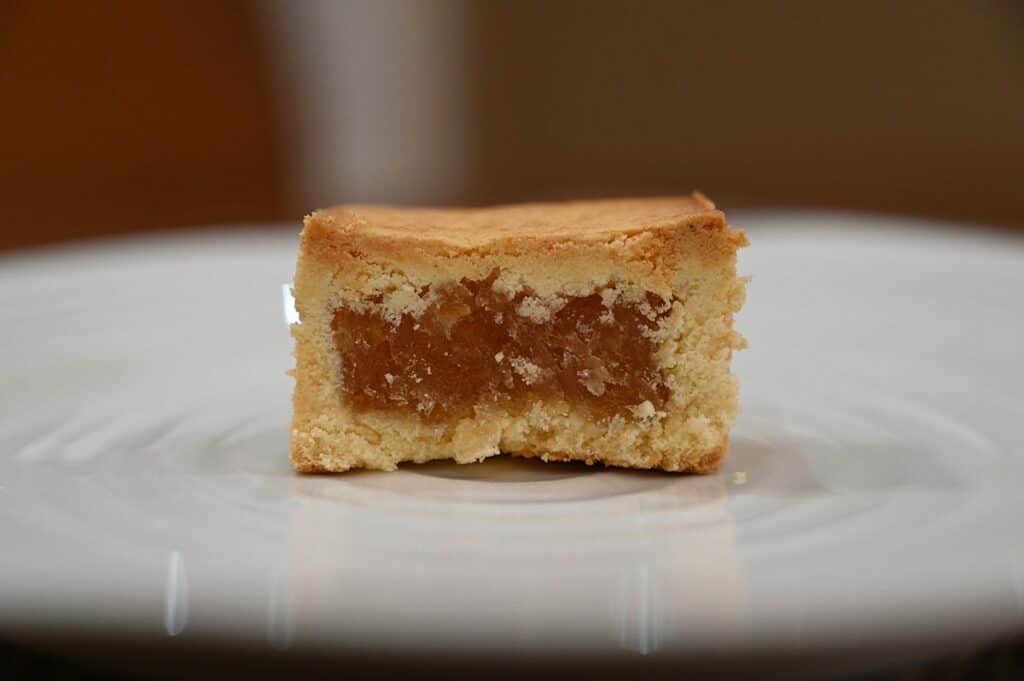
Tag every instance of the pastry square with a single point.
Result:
(596, 331)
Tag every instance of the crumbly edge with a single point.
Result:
(697, 341)
(707, 462)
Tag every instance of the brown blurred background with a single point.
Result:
(127, 116)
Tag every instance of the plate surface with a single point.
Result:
(874, 491)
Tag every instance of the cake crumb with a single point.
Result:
(644, 410)
(538, 310)
(646, 413)
(739, 478)
(592, 381)
(425, 405)
(389, 378)
(610, 295)
(527, 370)
(498, 356)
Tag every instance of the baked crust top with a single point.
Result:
(568, 221)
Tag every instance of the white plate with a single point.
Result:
(874, 492)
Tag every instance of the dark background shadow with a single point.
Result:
(118, 117)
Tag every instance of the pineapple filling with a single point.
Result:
(474, 346)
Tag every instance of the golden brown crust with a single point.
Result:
(512, 229)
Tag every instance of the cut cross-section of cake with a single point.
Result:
(597, 331)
